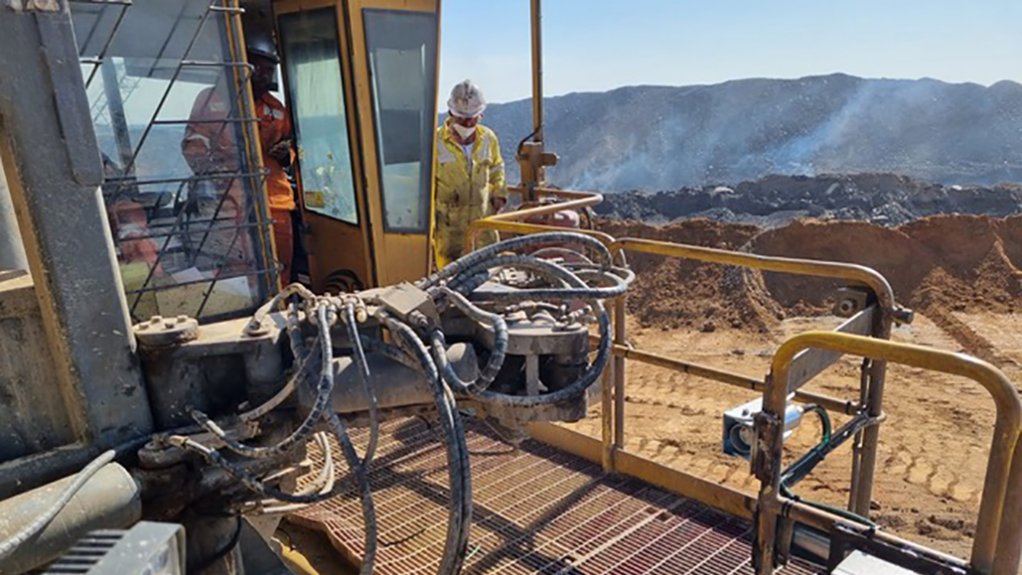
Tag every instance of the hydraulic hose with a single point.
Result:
(367, 384)
(484, 254)
(499, 351)
(420, 344)
(577, 388)
(325, 315)
(301, 435)
(458, 470)
(577, 289)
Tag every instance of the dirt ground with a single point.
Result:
(961, 274)
(933, 446)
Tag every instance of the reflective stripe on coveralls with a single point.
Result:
(463, 193)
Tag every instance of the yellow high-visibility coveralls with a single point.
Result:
(464, 191)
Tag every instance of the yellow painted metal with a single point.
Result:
(397, 256)
(531, 155)
(514, 227)
(620, 338)
(1002, 487)
(536, 13)
(1000, 524)
(607, 418)
(728, 500)
(236, 45)
(297, 562)
(749, 382)
(672, 480)
(327, 233)
(512, 221)
(378, 256)
(818, 268)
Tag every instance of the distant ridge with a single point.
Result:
(662, 138)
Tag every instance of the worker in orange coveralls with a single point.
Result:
(210, 147)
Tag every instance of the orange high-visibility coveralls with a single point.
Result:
(209, 146)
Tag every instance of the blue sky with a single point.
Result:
(597, 45)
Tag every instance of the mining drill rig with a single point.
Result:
(158, 417)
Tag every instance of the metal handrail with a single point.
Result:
(998, 526)
(512, 221)
(819, 268)
(862, 480)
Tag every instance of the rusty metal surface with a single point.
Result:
(536, 510)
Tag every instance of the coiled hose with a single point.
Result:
(422, 346)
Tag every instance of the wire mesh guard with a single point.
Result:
(183, 185)
(535, 510)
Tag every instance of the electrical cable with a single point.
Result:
(222, 552)
(12, 543)
(809, 460)
(804, 464)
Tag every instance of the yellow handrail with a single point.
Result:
(1000, 516)
(998, 523)
(512, 221)
(818, 268)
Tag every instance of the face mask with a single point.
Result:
(464, 131)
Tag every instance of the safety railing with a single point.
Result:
(514, 221)
(800, 365)
(997, 543)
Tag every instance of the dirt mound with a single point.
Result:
(673, 293)
(947, 262)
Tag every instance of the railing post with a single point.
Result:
(607, 418)
(871, 435)
(997, 528)
(620, 338)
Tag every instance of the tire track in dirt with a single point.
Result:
(970, 340)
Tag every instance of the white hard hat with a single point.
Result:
(262, 46)
(466, 100)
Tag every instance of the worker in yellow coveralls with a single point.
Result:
(469, 173)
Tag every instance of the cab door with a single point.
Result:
(395, 54)
(313, 41)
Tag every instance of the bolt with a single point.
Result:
(182, 318)
(156, 320)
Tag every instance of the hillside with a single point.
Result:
(655, 138)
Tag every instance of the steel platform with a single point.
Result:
(536, 510)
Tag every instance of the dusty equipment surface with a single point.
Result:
(536, 510)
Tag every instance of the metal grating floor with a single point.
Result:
(536, 510)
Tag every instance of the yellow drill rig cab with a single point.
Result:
(361, 81)
(165, 402)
